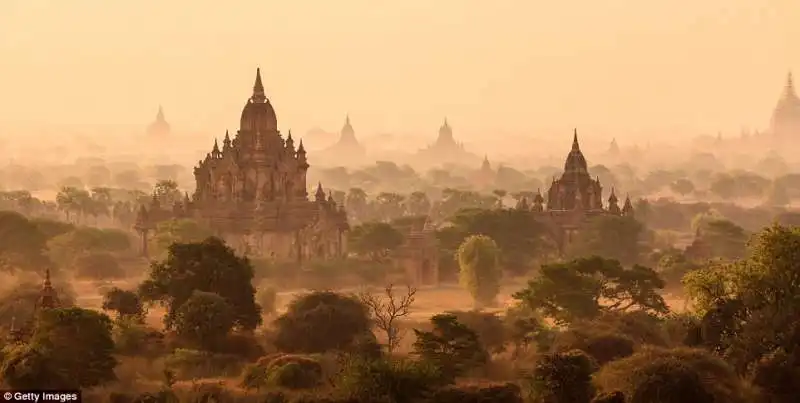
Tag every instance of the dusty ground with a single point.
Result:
(429, 300)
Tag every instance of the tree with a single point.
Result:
(477, 258)
(671, 375)
(718, 238)
(777, 195)
(176, 231)
(518, 233)
(321, 321)
(201, 266)
(562, 378)
(65, 248)
(586, 287)
(386, 312)
(418, 204)
(125, 303)
(612, 237)
(750, 305)
(22, 243)
(450, 346)
(376, 240)
(76, 346)
(204, 319)
(100, 265)
(167, 192)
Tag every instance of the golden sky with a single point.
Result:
(508, 66)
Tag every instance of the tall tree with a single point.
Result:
(478, 258)
(209, 266)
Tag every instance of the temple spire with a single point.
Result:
(258, 88)
(789, 92)
(160, 114)
(575, 145)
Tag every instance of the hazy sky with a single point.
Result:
(525, 66)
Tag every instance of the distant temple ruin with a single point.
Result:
(785, 122)
(445, 149)
(252, 192)
(160, 127)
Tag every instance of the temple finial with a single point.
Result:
(258, 88)
(575, 145)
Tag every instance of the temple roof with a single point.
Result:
(575, 162)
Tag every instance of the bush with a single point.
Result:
(284, 371)
(603, 346)
(500, 393)
(489, 327)
(562, 377)
(777, 375)
(296, 375)
(191, 364)
(321, 321)
(387, 380)
(687, 366)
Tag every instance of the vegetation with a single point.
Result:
(594, 321)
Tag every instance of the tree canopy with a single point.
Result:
(586, 287)
(209, 266)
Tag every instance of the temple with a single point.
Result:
(785, 122)
(573, 198)
(445, 149)
(160, 127)
(252, 192)
(347, 149)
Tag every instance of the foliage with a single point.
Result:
(67, 247)
(489, 327)
(297, 373)
(22, 243)
(519, 235)
(124, 302)
(777, 375)
(386, 312)
(194, 364)
(375, 239)
(202, 266)
(321, 321)
(169, 232)
(602, 347)
(70, 348)
(586, 287)
(525, 328)
(451, 346)
(478, 257)
(494, 392)
(718, 238)
(100, 265)
(672, 375)
(133, 338)
(387, 379)
(561, 378)
(609, 236)
(19, 304)
(204, 319)
(750, 306)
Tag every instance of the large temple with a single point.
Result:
(573, 198)
(252, 192)
(785, 122)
